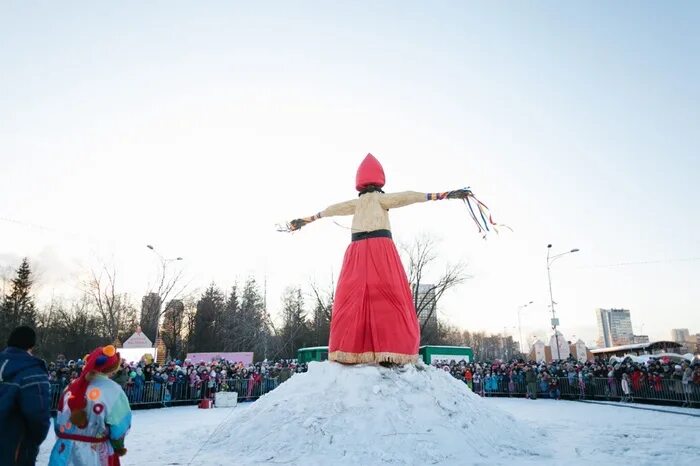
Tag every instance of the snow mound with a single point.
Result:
(336, 414)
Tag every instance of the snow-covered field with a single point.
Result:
(574, 434)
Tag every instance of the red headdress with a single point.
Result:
(103, 360)
(370, 172)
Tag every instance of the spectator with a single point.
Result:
(183, 381)
(554, 391)
(686, 381)
(122, 376)
(626, 389)
(531, 380)
(468, 377)
(511, 384)
(24, 400)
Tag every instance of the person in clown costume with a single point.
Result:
(93, 415)
(373, 318)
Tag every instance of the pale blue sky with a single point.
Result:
(198, 126)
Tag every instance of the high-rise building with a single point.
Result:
(494, 347)
(680, 335)
(424, 298)
(690, 342)
(614, 327)
(150, 313)
(693, 343)
(640, 339)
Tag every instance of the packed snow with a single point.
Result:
(369, 414)
(541, 432)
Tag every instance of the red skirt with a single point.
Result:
(374, 318)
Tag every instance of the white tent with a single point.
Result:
(644, 358)
(135, 354)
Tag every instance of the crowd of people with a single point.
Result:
(623, 379)
(146, 381)
(176, 380)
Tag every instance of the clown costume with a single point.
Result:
(93, 415)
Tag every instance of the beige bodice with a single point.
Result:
(371, 211)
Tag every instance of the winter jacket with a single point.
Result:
(530, 376)
(24, 407)
(121, 377)
(285, 373)
(625, 386)
(636, 380)
(687, 376)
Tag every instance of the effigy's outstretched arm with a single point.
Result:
(396, 200)
(456, 194)
(342, 208)
(477, 210)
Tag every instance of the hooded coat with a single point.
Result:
(24, 406)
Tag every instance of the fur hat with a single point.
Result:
(102, 360)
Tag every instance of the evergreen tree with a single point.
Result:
(171, 330)
(17, 307)
(295, 330)
(209, 312)
(253, 332)
(229, 337)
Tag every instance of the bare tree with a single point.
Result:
(420, 255)
(116, 312)
(168, 286)
(323, 299)
(46, 320)
(5, 278)
(321, 314)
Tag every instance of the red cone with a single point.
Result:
(370, 172)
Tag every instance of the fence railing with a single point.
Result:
(665, 390)
(180, 393)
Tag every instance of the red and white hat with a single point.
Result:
(103, 360)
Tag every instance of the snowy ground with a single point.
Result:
(577, 434)
(587, 433)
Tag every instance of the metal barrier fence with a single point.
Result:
(155, 394)
(665, 390)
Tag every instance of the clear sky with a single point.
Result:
(197, 126)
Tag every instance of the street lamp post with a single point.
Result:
(520, 330)
(555, 321)
(164, 264)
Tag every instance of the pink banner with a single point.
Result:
(196, 358)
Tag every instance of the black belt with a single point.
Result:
(371, 234)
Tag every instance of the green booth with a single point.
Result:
(433, 354)
(315, 353)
